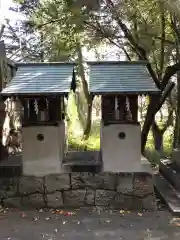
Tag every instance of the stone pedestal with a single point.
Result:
(43, 149)
(121, 148)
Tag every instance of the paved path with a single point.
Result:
(89, 225)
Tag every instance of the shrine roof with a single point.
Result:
(40, 78)
(128, 77)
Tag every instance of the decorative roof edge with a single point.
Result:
(19, 64)
(96, 93)
(116, 62)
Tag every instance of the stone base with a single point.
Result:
(132, 191)
(176, 156)
(43, 156)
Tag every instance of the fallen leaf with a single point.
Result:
(175, 222)
(35, 219)
(108, 221)
(140, 214)
(24, 215)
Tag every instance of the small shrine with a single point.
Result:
(79, 178)
(119, 84)
(41, 88)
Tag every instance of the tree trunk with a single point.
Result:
(158, 137)
(175, 135)
(156, 102)
(87, 128)
(3, 150)
(151, 111)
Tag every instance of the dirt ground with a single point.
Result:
(87, 224)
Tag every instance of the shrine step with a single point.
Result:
(171, 172)
(82, 166)
(168, 193)
(86, 161)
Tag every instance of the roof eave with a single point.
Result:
(33, 94)
(126, 92)
(116, 62)
(19, 64)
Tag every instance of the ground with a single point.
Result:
(88, 223)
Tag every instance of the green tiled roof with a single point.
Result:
(41, 78)
(120, 77)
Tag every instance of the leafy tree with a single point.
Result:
(142, 29)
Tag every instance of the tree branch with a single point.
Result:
(163, 36)
(126, 53)
(170, 71)
(141, 52)
(105, 34)
(165, 94)
(2, 30)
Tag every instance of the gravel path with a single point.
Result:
(88, 224)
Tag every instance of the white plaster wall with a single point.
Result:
(43, 157)
(121, 155)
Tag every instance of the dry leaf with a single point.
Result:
(175, 222)
(24, 215)
(35, 219)
(108, 221)
(140, 214)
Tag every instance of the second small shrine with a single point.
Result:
(119, 84)
(41, 89)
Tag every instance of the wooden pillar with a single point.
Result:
(25, 116)
(121, 101)
(55, 108)
(32, 114)
(133, 101)
(108, 108)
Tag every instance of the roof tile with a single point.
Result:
(34, 78)
(120, 77)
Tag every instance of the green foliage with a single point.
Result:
(152, 155)
(140, 28)
(75, 129)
